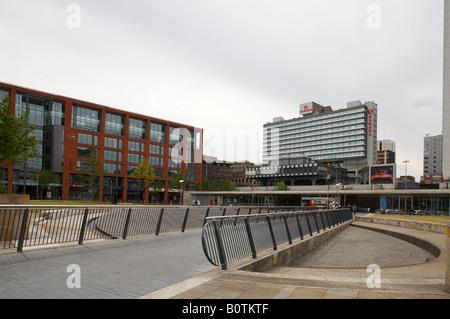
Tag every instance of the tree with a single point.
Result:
(44, 178)
(176, 182)
(157, 187)
(221, 185)
(281, 186)
(95, 169)
(144, 172)
(176, 179)
(17, 143)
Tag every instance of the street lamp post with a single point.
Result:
(181, 191)
(406, 180)
(406, 170)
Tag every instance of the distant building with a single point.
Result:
(446, 94)
(346, 137)
(385, 152)
(432, 159)
(71, 131)
(238, 174)
(215, 169)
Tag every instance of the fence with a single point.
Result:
(229, 238)
(22, 226)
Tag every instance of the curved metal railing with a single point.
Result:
(22, 226)
(229, 238)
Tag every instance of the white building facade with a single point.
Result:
(446, 95)
(347, 136)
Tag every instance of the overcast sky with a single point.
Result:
(229, 66)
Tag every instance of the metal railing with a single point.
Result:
(229, 238)
(22, 226)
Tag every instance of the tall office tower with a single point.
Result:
(432, 155)
(348, 135)
(446, 95)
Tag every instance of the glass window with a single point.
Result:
(112, 156)
(85, 152)
(4, 93)
(174, 163)
(192, 166)
(34, 104)
(176, 135)
(54, 113)
(135, 158)
(87, 139)
(156, 161)
(112, 168)
(156, 149)
(137, 129)
(114, 124)
(158, 172)
(111, 142)
(84, 166)
(84, 118)
(191, 176)
(158, 133)
(135, 146)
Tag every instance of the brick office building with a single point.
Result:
(70, 131)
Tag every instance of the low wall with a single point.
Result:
(431, 227)
(285, 256)
(14, 199)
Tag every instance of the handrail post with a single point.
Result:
(23, 230)
(206, 215)
(274, 242)
(317, 224)
(299, 227)
(323, 222)
(183, 227)
(250, 237)
(327, 216)
(220, 248)
(83, 227)
(158, 225)
(287, 230)
(309, 224)
(127, 223)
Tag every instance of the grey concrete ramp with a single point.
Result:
(406, 273)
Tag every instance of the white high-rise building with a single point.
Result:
(348, 135)
(446, 95)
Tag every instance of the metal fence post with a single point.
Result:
(287, 230)
(274, 242)
(333, 218)
(250, 237)
(323, 222)
(299, 227)
(83, 227)
(220, 248)
(328, 219)
(127, 223)
(158, 225)
(317, 224)
(309, 224)
(206, 215)
(183, 227)
(23, 230)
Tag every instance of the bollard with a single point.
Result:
(447, 265)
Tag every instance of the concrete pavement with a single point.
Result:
(338, 269)
(108, 269)
(173, 266)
